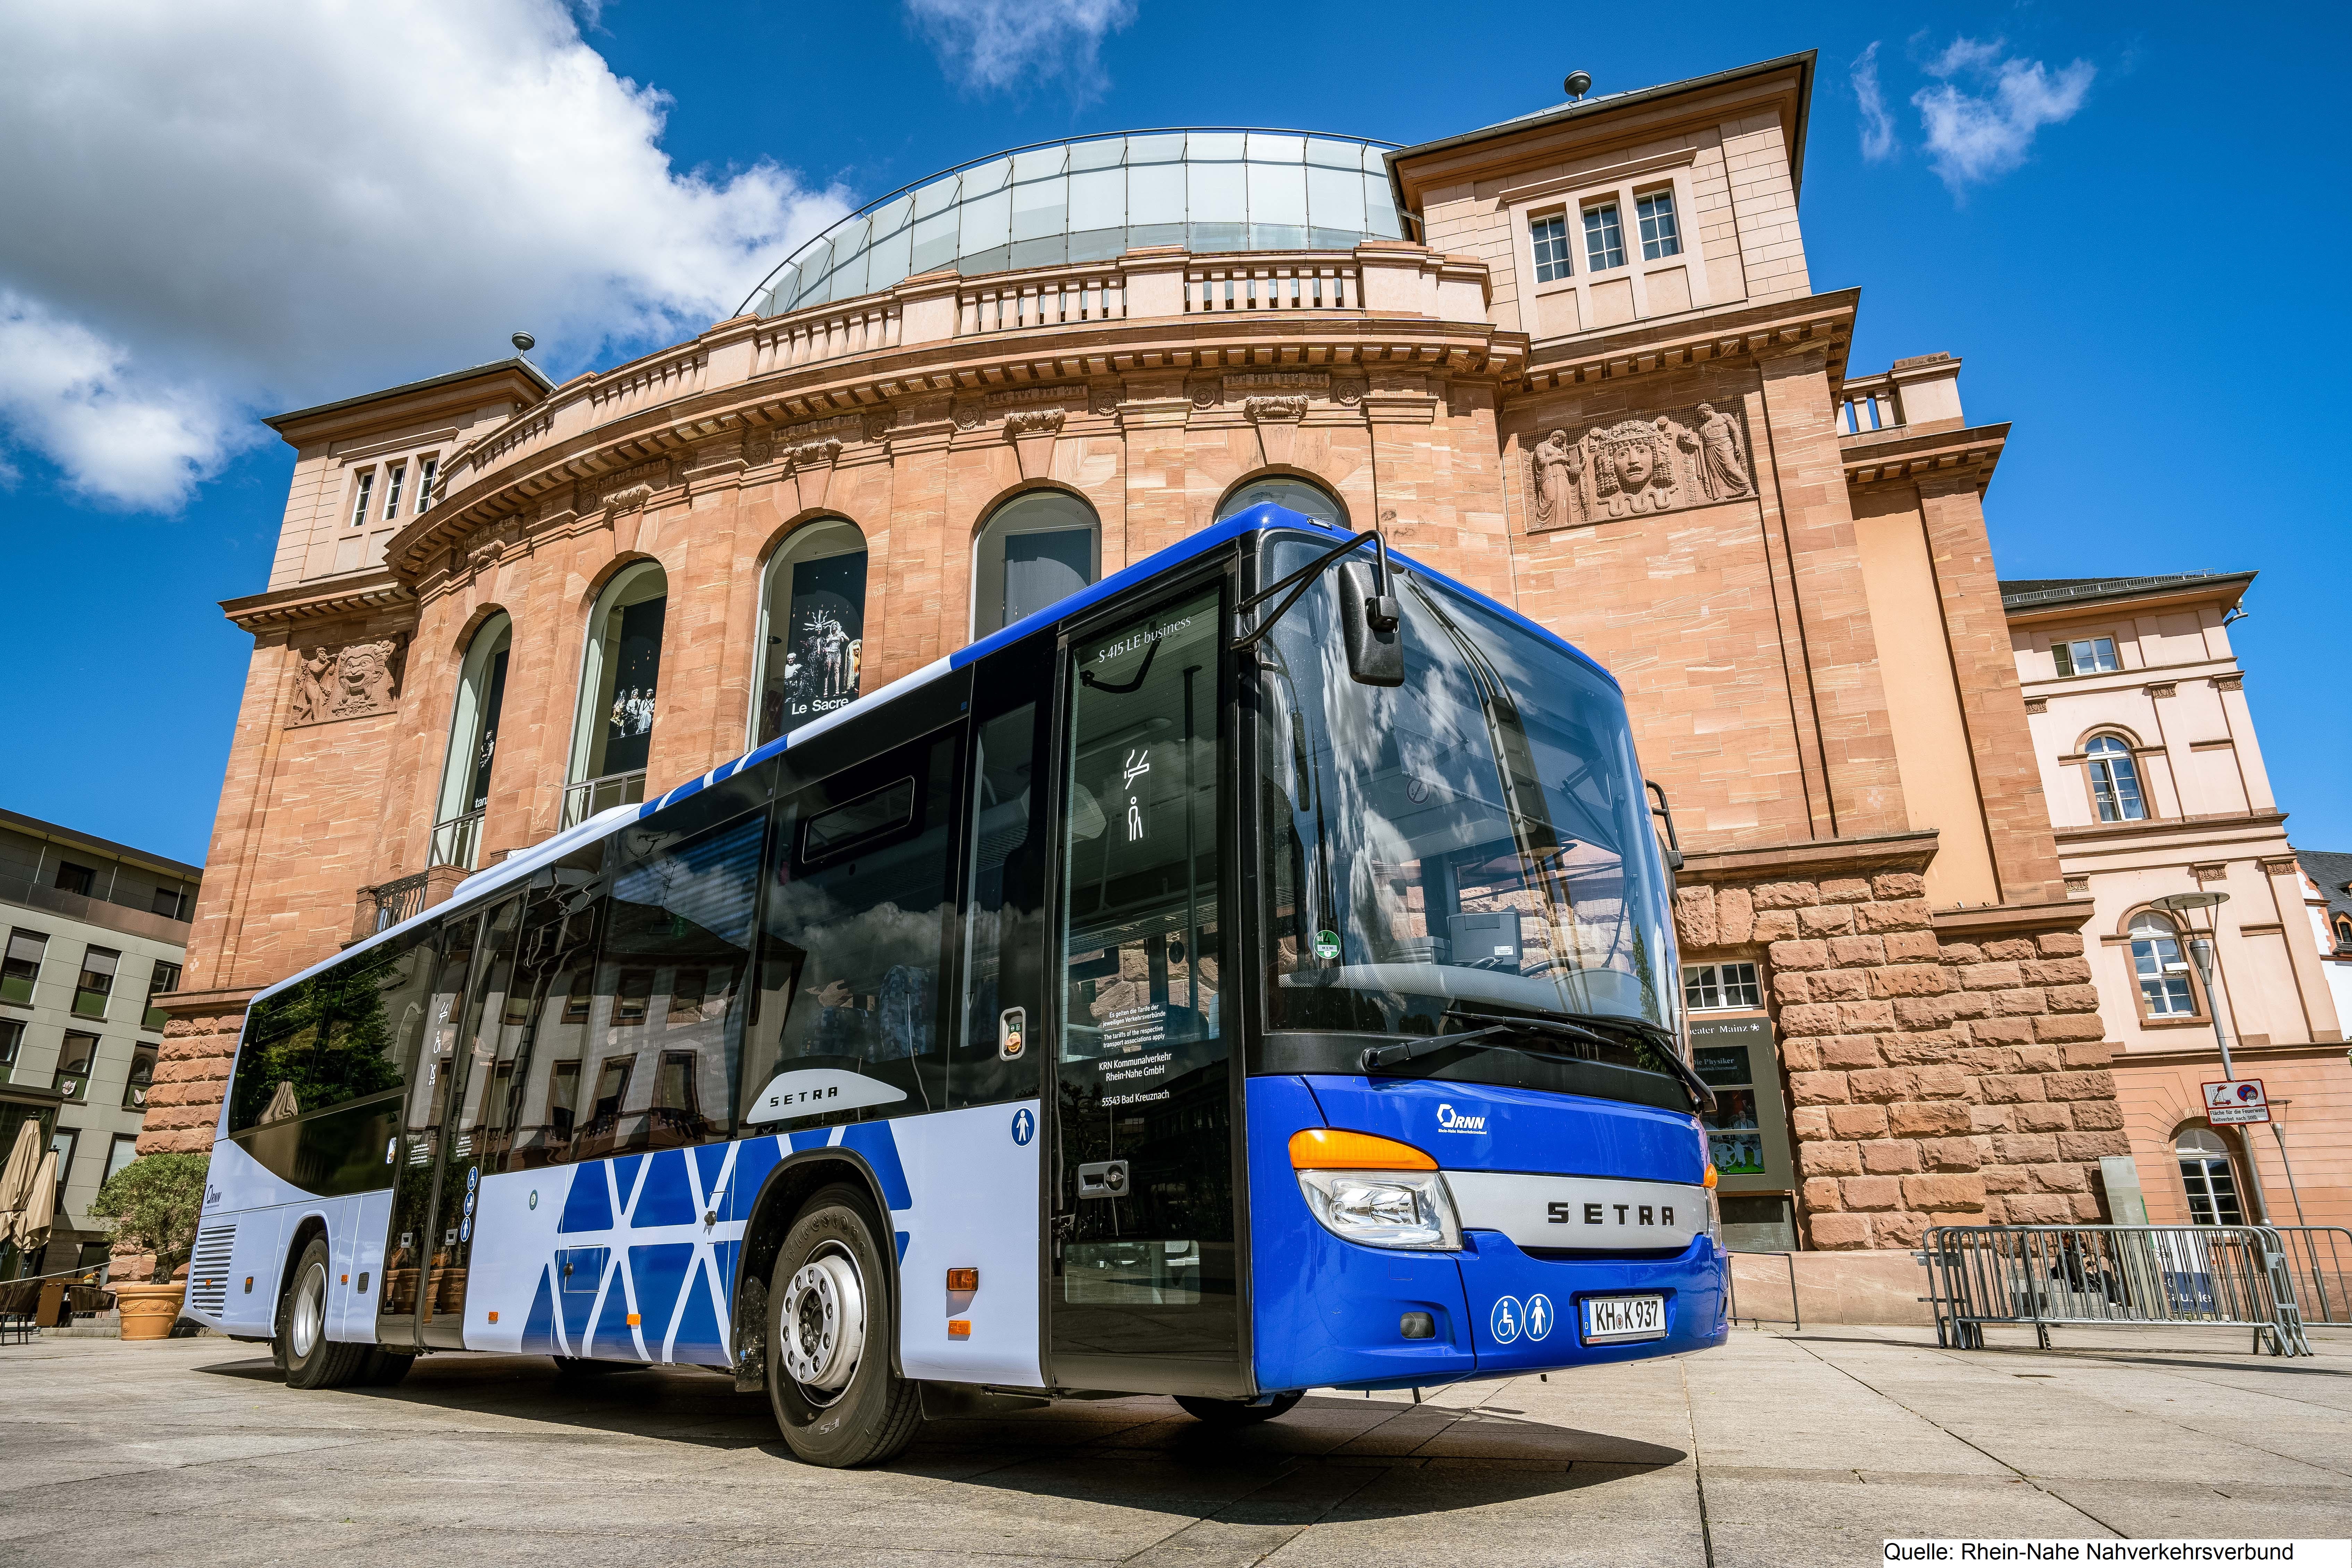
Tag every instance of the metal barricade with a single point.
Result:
(2319, 1261)
(2203, 1274)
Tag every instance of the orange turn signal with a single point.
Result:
(632, 1319)
(963, 1279)
(494, 1317)
(1710, 1173)
(1332, 1149)
(959, 1328)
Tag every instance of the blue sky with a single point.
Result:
(2139, 256)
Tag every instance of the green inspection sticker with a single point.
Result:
(1327, 945)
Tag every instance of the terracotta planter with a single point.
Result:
(149, 1311)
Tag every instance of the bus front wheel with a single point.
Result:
(1237, 1412)
(830, 1381)
(311, 1360)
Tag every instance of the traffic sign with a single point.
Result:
(2236, 1103)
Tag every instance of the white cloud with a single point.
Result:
(1973, 137)
(987, 44)
(242, 205)
(1877, 125)
(70, 393)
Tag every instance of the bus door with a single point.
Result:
(410, 1240)
(1143, 1273)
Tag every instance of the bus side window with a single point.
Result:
(856, 958)
(666, 1016)
(1004, 996)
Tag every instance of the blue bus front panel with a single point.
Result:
(1329, 1312)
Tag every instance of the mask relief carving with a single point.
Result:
(1638, 466)
(349, 682)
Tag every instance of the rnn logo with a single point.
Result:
(1450, 1120)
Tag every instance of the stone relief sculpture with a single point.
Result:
(1290, 407)
(1033, 422)
(1638, 466)
(348, 682)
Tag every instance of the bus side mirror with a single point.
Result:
(1368, 621)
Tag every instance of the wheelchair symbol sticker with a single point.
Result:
(1539, 1316)
(1509, 1318)
(1024, 1126)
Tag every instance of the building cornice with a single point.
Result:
(1821, 321)
(2112, 833)
(2210, 1056)
(333, 599)
(2011, 920)
(2224, 589)
(1815, 857)
(1876, 458)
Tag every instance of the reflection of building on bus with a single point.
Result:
(920, 432)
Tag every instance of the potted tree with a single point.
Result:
(154, 1203)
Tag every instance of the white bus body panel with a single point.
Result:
(266, 1210)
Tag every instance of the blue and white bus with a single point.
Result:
(1253, 972)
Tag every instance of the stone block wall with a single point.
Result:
(1931, 1080)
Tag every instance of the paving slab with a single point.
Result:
(1778, 1448)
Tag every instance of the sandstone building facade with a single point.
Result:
(1577, 361)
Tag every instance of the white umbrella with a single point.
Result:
(17, 1176)
(41, 1208)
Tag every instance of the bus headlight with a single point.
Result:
(1406, 1209)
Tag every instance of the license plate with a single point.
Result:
(1610, 1319)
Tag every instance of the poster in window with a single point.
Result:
(824, 638)
(637, 665)
(487, 752)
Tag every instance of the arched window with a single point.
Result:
(1038, 547)
(2344, 933)
(2206, 1173)
(473, 747)
(2166, 989)
(1286, 491)
(2114, 779)
(812, 627)
(615, 728)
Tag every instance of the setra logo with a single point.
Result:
(1451, 1121)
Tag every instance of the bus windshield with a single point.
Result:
(1471, 847)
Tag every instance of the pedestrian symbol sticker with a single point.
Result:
(1024, 1126)
(1508, 1317)
(1539, 1316)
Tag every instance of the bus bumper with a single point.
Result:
(1513, 1332)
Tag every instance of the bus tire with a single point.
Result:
(836, 1398)
(312, 1360)
(1236, 1412)
(385, 1369)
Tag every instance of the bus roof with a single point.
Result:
(1261, 518)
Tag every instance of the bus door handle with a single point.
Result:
(1104, 1179)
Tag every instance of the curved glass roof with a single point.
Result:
(1091, 199)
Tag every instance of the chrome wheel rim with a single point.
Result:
(822, 1328)
(309, 1312)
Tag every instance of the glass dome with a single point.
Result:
(1094, 199)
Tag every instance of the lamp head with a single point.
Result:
(1578, 84)
(524, 342)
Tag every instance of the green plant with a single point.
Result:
(154, 1203)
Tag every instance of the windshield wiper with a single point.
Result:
(1377, 1058)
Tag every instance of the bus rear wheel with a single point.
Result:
(830, 1381)
(1236, 1412)
(312, 1360)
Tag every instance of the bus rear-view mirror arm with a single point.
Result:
(1369, 618)
(1666, 813)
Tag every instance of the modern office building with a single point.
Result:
(1578, 360)
(94, 931)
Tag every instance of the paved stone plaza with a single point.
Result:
(1776, 1450)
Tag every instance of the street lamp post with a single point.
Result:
(2201, 947)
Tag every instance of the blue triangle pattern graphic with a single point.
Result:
(699, 1339)
(754, 1160)
(658, 1272)
(588, 1206)
(665, 1199)
(538, 1328)
(612, 1342)
(875, 1140)
(709, 1160)
(624, 1176)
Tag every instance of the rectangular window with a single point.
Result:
(12, 1040)
(125, 1150)
(426, 470)
(344, 1035)
(166, 977)
(367, 492)
(2085, 656)
(562, 1099)
(1004, 992)
(1605, 237)
(62, 1142)
(1660, 236)
(1550, 236)
(73, 878)
(75, 1058)
(1710, 987)
(171, 904)
(392, 478)
(22, 968)
(95, 983)
(142, 1075)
